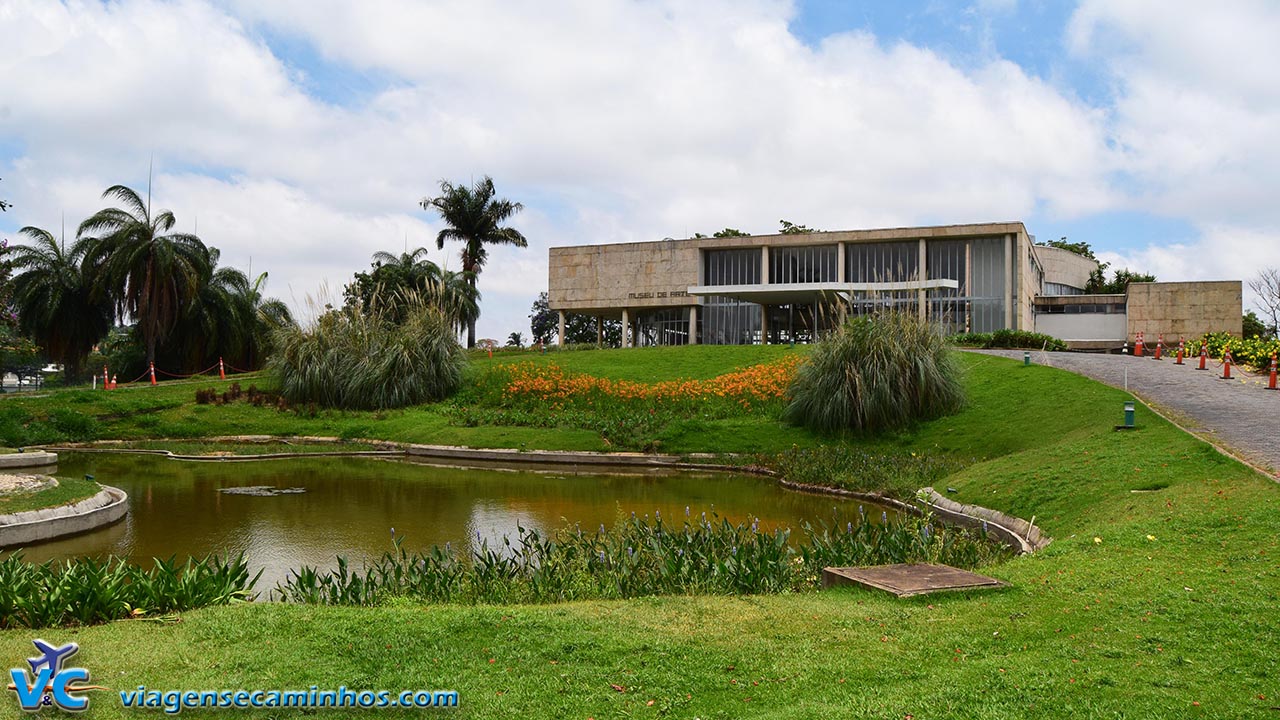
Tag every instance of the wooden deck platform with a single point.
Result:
(909, 580)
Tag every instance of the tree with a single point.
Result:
(149, 272)
(229, 319)
(1267, 288)
(55, 298)
(515, 340)
(725, 233)
(475, 218)
(1079, 248)
(1119, 283)
(1252, 326)
(395, 284)
(789, 228)
(578, 329)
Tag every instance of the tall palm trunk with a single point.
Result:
(471, 322)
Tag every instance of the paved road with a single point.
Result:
(1240, 414)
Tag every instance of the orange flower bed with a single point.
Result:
(551, 382)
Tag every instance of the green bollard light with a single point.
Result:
(1026, 358)
(1128, 415)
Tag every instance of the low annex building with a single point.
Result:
(792, 287)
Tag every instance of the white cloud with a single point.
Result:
(612, 121)
(1197, 117)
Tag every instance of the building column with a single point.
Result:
(693, 324)
(764, 324)
(626, 328)
(764, 264)
(599, 331)
(968, 285)
(840, 274)
(561, 327)
(923, 274)
(1009, 294)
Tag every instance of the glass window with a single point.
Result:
(881, 262)
(726, 321)
(810, 264)
(735, 266)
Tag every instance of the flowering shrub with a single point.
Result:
(624, 412)
(1255, 351)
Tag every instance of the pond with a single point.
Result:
(348, 506)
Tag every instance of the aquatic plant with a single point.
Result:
(638, 556)
(86, 591)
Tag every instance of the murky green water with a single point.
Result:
(350, 506)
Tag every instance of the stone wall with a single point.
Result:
(1185, 309)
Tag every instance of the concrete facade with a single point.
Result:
(625, 280)
(1064, 267)
(978, 277)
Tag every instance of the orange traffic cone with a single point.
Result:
(1204, 355)
(106, 379)
(1159, 346)
(1226, 364)
(222, 371)
(153, 374)
(113, 382)
(1138, 346)
(1182, 349)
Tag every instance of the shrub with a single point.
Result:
(875, 374)
(361, 360)
(1008, 339)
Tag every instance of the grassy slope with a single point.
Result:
(1124, 627)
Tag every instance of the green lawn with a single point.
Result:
(67, 491)
(1157, 598)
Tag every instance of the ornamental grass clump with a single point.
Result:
(362, 360)
(876, 373)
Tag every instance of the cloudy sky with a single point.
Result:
(299, 135)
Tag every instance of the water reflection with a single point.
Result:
(351, 504)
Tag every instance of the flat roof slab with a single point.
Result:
(906, 580)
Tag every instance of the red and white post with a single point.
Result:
(1271, 382)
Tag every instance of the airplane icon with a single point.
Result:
(53, 657)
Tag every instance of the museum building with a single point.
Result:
(793, 287)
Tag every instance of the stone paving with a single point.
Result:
(1241, 414)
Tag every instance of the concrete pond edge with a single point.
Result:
(1018, 534)
(108, 506)
(27, 460)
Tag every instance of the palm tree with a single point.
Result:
(55, 298)
(264, 315)
(474, 217)
(229, 319)
(146, 270)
